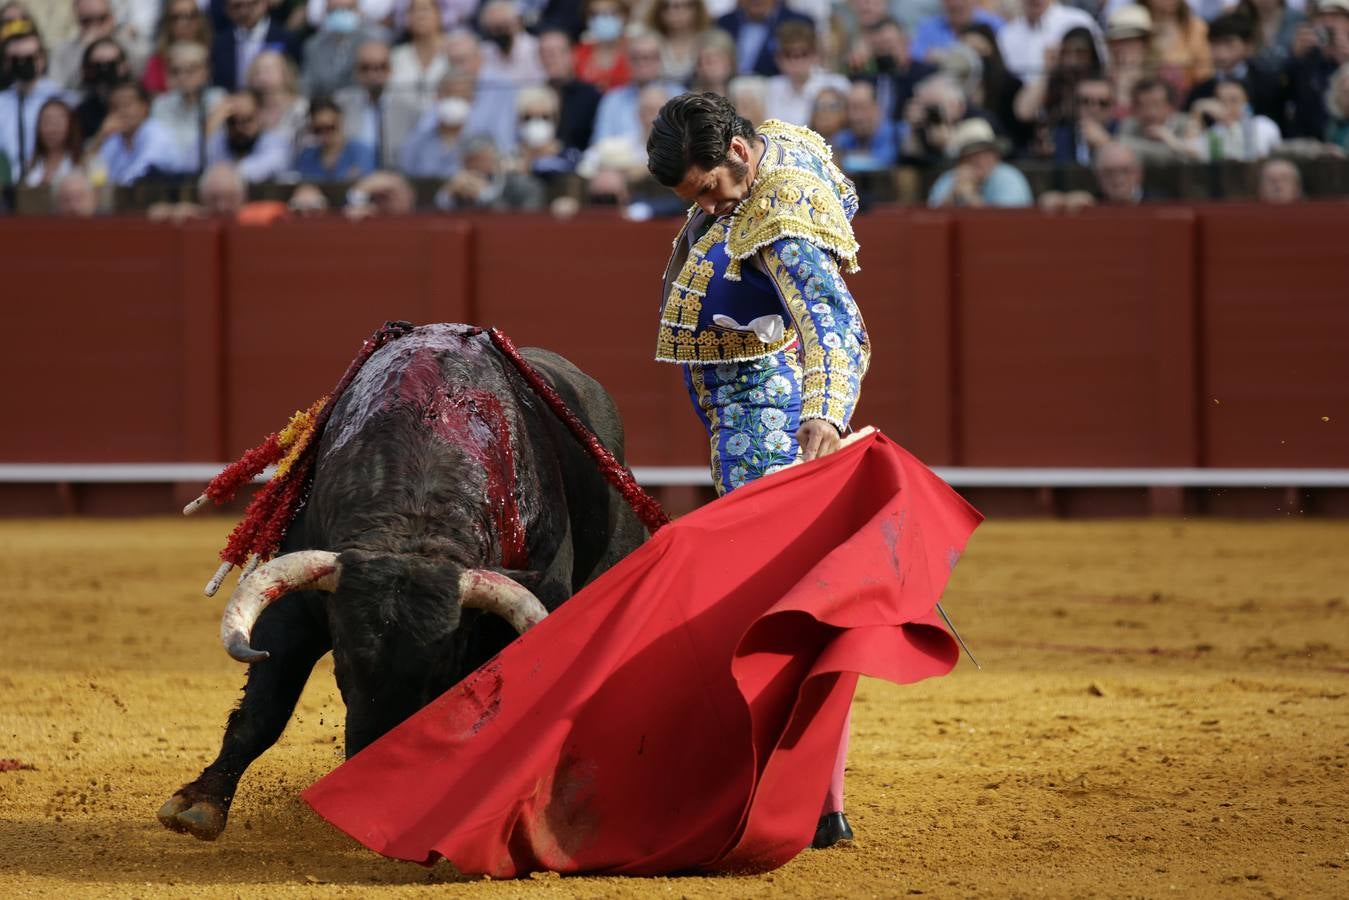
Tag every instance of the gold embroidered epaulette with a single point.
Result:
(790, 200)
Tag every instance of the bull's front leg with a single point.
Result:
(296, 639)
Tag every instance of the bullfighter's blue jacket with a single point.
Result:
(766, 277)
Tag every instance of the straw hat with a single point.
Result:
(972, 136)
(1133, 22)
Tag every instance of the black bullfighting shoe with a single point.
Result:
(833, 829)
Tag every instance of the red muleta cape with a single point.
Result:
(683, 711)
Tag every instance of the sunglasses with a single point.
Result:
(373, 67)
(1098, 102)
(323, 127)
(90, 21)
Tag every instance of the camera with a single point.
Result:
(1207, 119)
(934, 115)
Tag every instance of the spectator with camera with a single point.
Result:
(791, 94)
(979, 177)
(1318, 50)
(24, 60)
(132, 145)
(1223, 127)
(1275, 25)
(1231, 39)
(329, 154)
(578, 100)
(188, 105)
(1155, 131)
(886, 62)
(236, 136)
(936, 108)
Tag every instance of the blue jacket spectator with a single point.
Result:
(752, 25)
(941, 31)
(136, 145)
(870, 143)
(331, 156)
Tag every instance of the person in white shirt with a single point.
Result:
(186, 107)
(791, 94)
(131, 144)
(1028, 41)
(1229, 130)
(419, 64)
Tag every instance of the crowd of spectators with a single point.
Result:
(522, 104)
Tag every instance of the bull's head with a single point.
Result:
(321, 570)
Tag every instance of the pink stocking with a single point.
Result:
(833, 801)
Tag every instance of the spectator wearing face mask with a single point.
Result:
(493, 101)
(579, 100)
(236, 136)
(541, 152)
(330, 55)
(791, 94)
(618, 109)
(132, 145)
(97, 20)
(24, 61)
(435, 150)
(104, 67)
(188, 105)
(510, 55)
(600, 58)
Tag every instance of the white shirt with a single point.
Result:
(783, 101)
(1023, 44)
(269, 158)
(151, 147)
(184, 121)
(406, 74)
(1250, 139)
(521, 68)
(247, 45)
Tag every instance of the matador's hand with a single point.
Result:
(817, 438)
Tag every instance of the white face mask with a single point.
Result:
(536, 133)
(452, 111)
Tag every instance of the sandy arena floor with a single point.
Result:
(1162, 712)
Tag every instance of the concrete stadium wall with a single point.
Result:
(1206, 336)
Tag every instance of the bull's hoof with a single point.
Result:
(202, 819)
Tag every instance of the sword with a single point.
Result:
(959, 639)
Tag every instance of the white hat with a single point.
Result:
(1335, 6)
(1132, 21)
(971, 136)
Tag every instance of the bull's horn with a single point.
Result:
(312, 570)
(502, 596)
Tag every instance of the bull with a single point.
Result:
(449, 510)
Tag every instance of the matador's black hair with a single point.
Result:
(693, 130)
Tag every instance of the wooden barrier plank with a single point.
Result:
(1276, 335)
(300, 299)
(92, 313)
(590, 289)
(1058, 322)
